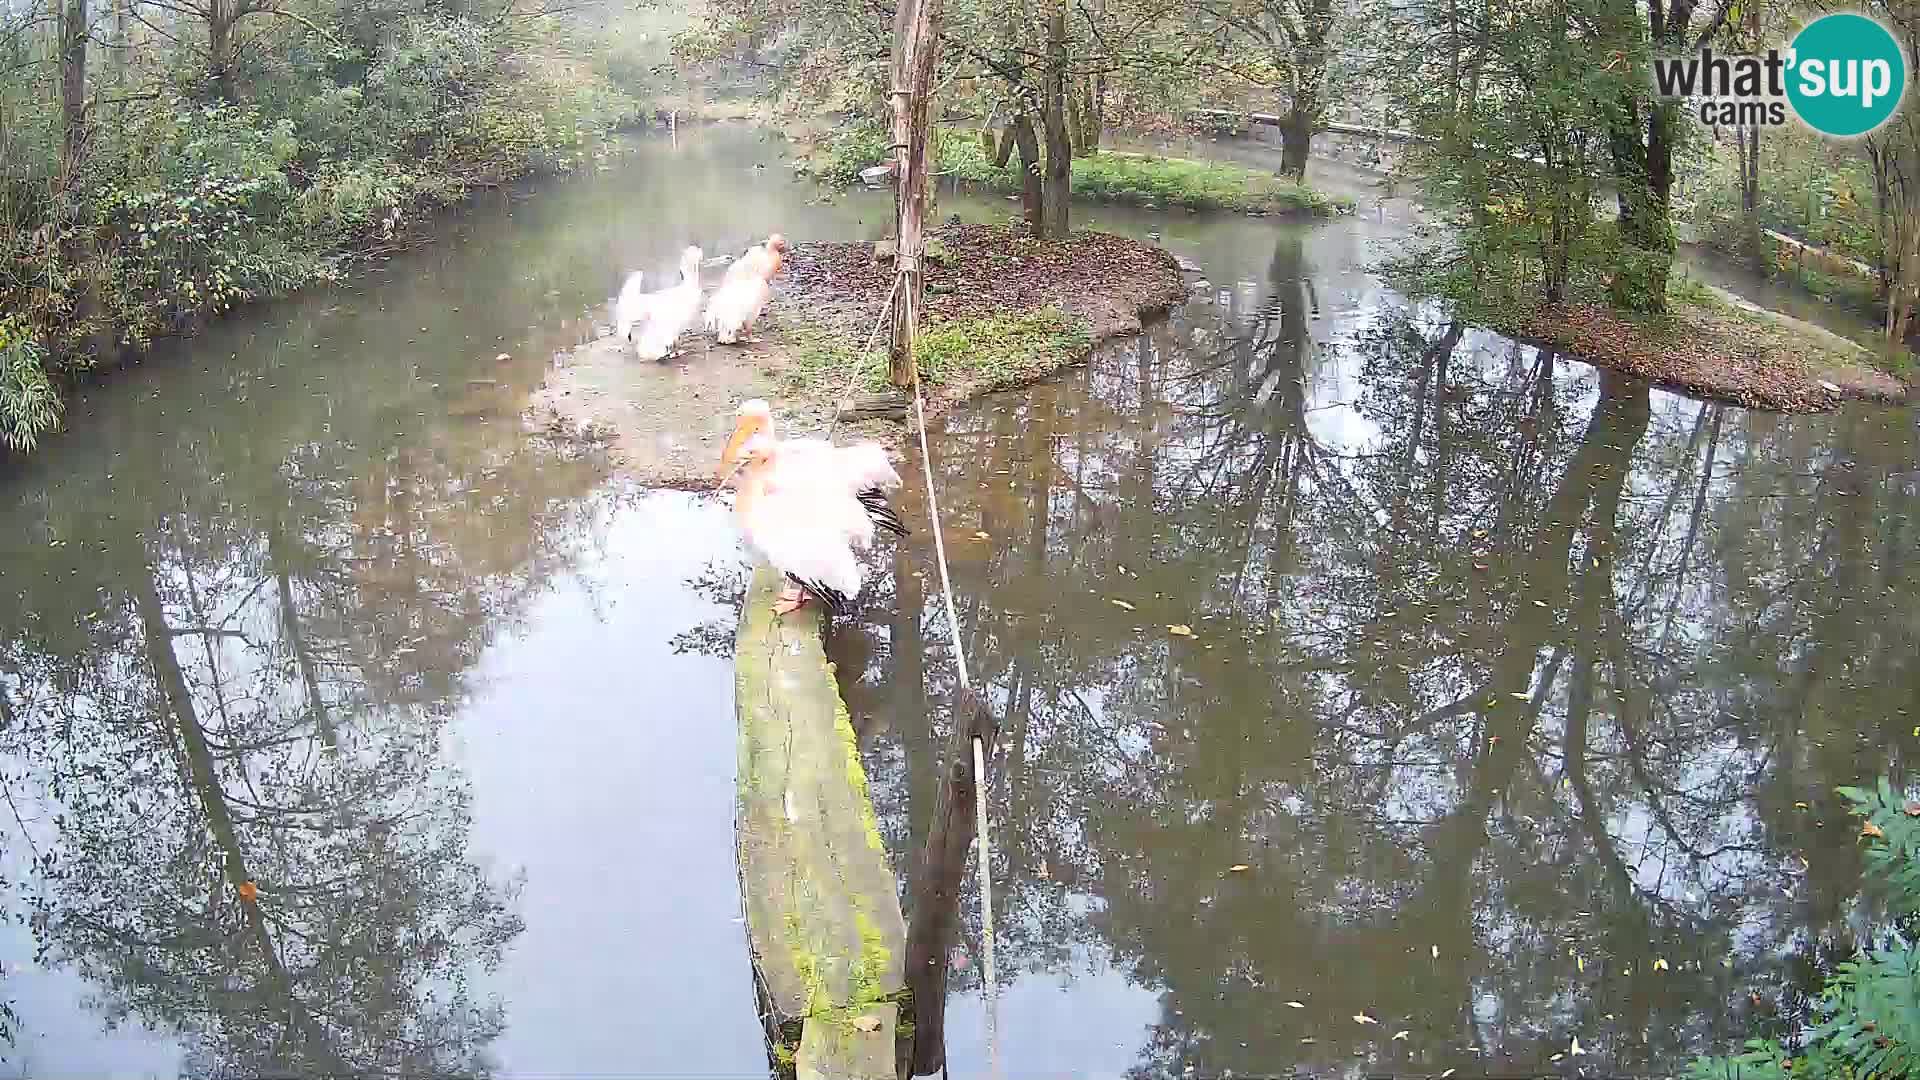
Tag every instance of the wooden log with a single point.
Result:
(823, 908)
(888, 406)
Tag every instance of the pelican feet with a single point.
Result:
(789, 600)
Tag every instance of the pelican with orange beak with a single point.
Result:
(861, 470)
(806, 506)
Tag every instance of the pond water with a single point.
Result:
(1507, 707)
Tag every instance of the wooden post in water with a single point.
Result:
(823, 908)
(937, 881)
(916, 51)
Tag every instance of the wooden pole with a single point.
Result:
(937, 880)
(916, 52)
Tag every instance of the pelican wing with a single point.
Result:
(805, 541)
(735, 306)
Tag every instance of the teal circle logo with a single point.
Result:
(1847, 75)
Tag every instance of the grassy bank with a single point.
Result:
(980, 353)
(1706, 343)
(1104, 177)
(189, 195)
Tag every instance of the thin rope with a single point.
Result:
(886, 311)
(990, 989)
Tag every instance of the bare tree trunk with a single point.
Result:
(1296, 140)
(1032, 196)
(73, 88)
(1747, 143)
(1059, 186)
(220, 20)
(916, 50)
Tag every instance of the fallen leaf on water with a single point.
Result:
(982, 536)
(1557, 1057)
(1237, 867)
(1580, 962)
(1296, 1005)
(1539, 603)
(503, 357)
(249, 891)
(1449, 1072)
(866, 1023)
(1123, 605)
(1363, 1018)
(1518, 696)
(1660, 963)
(1870, 829)
(1478, 533)
(1180, 630)
(1800, 806)
(1398, 1035)
(1308, 1041)
(1576, 1050)
(1436, 951)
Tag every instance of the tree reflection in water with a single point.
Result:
(254, 705)
(1520, 688)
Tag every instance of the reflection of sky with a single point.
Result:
(1088, 1024)
(59, 1035)
(603, 769)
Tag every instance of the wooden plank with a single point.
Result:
(823, 907)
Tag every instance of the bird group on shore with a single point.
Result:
(807, 507)
(653, 322)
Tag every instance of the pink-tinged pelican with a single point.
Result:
(761, 260)
(861, 470)
(744, 291)
(802, 527)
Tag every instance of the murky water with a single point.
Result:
(1511, 708)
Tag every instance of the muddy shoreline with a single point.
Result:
(663, 423)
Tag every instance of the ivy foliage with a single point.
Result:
(1868, 1019)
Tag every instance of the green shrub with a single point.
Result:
(1869, 1010)
(29, 404)
(186, 205)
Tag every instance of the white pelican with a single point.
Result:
(763, 260)
(659, 318)
(744, 291)
(804, 529)
(861, 470)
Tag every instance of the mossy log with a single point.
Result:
(823, 908)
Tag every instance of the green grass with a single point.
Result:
(993, 352)
(1102, 177)
(826, 366)
(996, 352)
